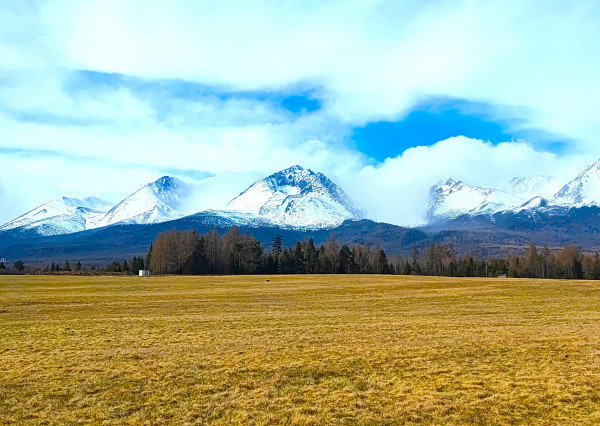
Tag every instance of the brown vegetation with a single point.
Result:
(298, 349)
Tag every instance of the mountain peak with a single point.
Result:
(155, 202)
(292, 169)
(166, 182)
(455, 199)
(297, 197)
(62, 215)
(583, 190)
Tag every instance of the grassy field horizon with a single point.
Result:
(322, 349)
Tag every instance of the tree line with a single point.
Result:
(188, 252)
(567, 263)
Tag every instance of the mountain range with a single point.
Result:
(451, 199)
(294, 198)
(299, 203)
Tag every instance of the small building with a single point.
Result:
(144, 273)
(3, 260)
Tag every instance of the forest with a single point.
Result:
(187, 252)
(233, 253)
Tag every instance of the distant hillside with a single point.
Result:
(123, 241)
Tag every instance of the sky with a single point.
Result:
(385, 97)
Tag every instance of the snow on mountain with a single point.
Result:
(452, 199)
(294, 198)
(584, 190)
(297, 197)
(538, 205)
(534, 186)
(60, 216)
(155, 202)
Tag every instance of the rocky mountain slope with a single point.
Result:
(298, 198)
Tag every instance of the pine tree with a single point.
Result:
(19, 265)
(148, 257)
(67, 267)
(78, 266)
(298, 259)
(277, 245)
(2, 265)
(346, 260)
(381, 263)
(311, 256)
(199, 263)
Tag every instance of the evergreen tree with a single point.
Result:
(199, 259)
(311, 256)
(67, 267)
(382, 265)
(346, 260)
(332, 250)
(78, 266)
(284, 262)
(298, 258)
(2, 265)
(277, 245)
(270, 265)
(19, 265)
(148, 257)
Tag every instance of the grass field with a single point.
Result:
(298, 350)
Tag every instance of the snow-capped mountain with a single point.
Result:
(292, 198)
(584, 190)
(155, 202)
(452, 199)
(538, 205)
(297, 197)
(61, 216)
(534, 186)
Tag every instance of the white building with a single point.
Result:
(144, 273)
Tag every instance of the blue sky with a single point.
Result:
(100, 97)
(438, 119)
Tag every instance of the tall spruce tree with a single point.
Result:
(311, 257)
(277, 245)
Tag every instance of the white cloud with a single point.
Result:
(375, 58)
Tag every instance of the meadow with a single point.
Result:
(298, 350)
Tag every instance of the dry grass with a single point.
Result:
(298, 350)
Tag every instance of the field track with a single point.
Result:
(298, 350)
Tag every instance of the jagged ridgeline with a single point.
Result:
(292, 198)
(299, 204)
